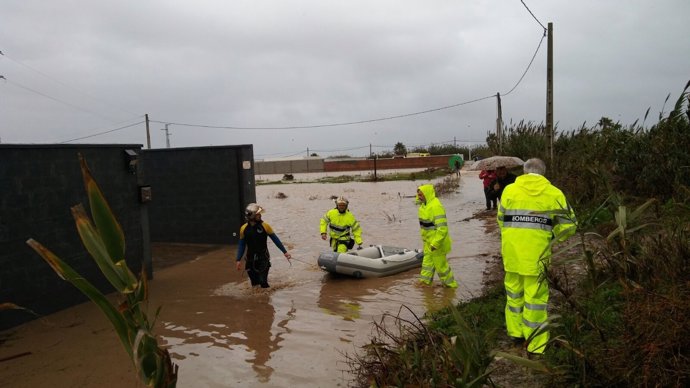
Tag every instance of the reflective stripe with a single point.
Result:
(525, 212)
(427, 278)
(425, 268)
(514, 295)
(442, 224)
(516, 310)
(339, 228)
(440, 216)
(451, 280)
(508, 223)
(532, 325)
(527, 219)
(441, 275)
(535, 307)
(426, 224)
(563, 220)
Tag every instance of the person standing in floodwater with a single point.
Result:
(344, 228)
(253, 237)
(437, 242)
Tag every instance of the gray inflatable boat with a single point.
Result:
(371, 262)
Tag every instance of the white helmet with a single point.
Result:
(342, 200)
(252, 210)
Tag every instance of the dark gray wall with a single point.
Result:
(38, 186)
(199, 194)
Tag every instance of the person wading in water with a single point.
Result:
(253, 238)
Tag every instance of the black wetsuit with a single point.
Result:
(258, 258)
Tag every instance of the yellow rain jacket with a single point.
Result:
(433, 223)
(341, 225)
(531, 214)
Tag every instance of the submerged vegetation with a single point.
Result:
(620, 289)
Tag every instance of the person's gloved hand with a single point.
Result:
(359, 247)
(323, 236)
(288, 256)
(239, 265)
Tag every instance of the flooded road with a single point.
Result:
(223, 333)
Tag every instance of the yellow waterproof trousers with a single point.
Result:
(436, 262)
(526, 302)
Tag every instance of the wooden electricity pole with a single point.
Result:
(499, 124)
(148, 133)
(549, 94)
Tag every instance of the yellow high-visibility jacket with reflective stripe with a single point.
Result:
(341, 225)
(433, 223)
(531, 214)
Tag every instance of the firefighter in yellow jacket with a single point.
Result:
(437, 242)
(344, 229)
(531, 214)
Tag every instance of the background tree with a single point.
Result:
(399, 149)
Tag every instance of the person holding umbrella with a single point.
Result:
(503, 179)
(500, 164)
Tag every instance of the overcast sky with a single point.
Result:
(78, 68)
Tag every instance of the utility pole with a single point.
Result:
(148, 134)
(167, 136)
(549, 94)
(499, 124)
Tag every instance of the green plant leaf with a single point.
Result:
(534, 365)
(641, 209)
(107, 225)
(67, 273)
(93, 243)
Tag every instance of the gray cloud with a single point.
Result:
(302, 63)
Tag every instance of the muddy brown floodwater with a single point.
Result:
(222, 333)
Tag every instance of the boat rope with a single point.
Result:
(301, 261)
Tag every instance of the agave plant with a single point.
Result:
(103, 238)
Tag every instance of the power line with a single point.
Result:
(63, 83)
(529, 65)
(102, 133)
(530, 12)
(319, 125)
(326, 125)
(58, 100)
